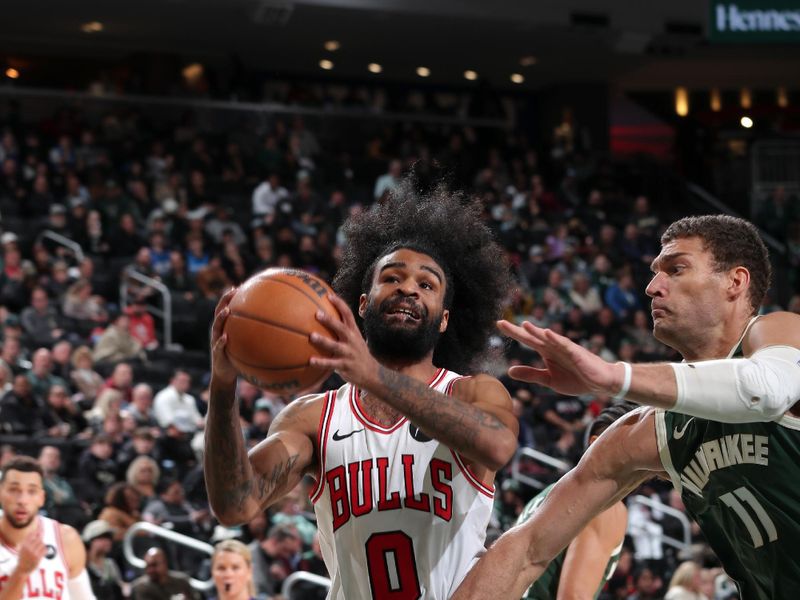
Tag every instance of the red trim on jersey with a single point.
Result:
(63, 555)
(364, 418)
(322, 444)
(471, 477)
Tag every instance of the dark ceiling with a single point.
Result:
(632, 44)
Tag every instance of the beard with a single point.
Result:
(19, 524)
(400, 342)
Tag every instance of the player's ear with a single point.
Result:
(444, 321)
(362, 305)
(738, 281)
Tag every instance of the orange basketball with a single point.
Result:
(272, 315)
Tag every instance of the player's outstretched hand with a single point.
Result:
(569, 368)
(31, 552)
(348, 354)
(221, 366)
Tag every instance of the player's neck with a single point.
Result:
(717, 342)
(12, 536)
(423, 370)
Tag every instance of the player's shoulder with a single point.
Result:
(482, 383)
(68, 533)
(777, 328)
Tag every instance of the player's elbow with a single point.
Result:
(232, 515)
(500, 450)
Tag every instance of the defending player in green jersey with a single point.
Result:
(740, 480)
(582, 569)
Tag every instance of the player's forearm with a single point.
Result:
(228, 473)
(504, 572)
(474, 433)
(650, 384)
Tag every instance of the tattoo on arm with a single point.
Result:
(453, 422)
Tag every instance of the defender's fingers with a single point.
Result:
(518, 333)
(530, 375)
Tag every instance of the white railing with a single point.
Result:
(164, 313)
(71, 245)
(654, 506)
(169, 535)
(529, 453)
(303, 576)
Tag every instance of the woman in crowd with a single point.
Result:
(232, 570)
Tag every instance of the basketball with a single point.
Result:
(271, 318)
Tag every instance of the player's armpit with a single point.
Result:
(623, 456)
(588, 554)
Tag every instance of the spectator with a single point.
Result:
(686, 582)
(388, 181)
(21, 412)
(11, 356)
(81, 305)
(40, 321)
(232, 571)
(104, 574)
(142, 326)
(141, 406)
(267, 196)
(60, 359)
(121, 509)
(141, 443)
(621, 296)
(275, 558)
(584, 295)
(647, 585)
(159, 583)
(62, 416)
(175, 446)
(292, 510)
(174, 400)
(116, 343)
(97, 470)
(262, 419)
(84, 378)
(61, 503)
(143, 475)
(108, 403)
(40, 375)
(222, 223)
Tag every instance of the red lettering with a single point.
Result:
(421, 502)
(441, 476)
(32, 592)
(59, 585)
(47, 593)
(357, 507)
(386, 502)
(337, 486)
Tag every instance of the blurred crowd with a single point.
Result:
(114, 408)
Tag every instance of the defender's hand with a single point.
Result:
(349, 354)
(569, 368)
(221, 366)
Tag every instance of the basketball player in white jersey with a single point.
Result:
(39, 557)
(404, 454)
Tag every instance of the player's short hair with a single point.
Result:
(607, 417)
(447, 226)
(23, 464)
(733, 242)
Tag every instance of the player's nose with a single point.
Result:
(656, 286)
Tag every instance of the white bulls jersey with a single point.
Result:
(49, 579)
(400, 516)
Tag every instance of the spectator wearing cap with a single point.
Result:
(104, 574)
(40, 321)
(174, 401)
(97, 470)
(116, 343)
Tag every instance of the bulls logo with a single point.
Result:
(417, 434)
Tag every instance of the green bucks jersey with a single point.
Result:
(741, 483)
(546, 587)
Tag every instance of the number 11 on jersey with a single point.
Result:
(736, 501)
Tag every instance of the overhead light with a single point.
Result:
(374, 68)
(470, 75)
(517, 78)
(745, 98)
(12, 73)
(528, 61)
(326, 64)
(746, 122)
(423, 71)
(681, 101)
(782, 97)
(193, 73)
(92, 27)
(715, 100)
(332, 45)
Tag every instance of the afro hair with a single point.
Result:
(447, 226)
